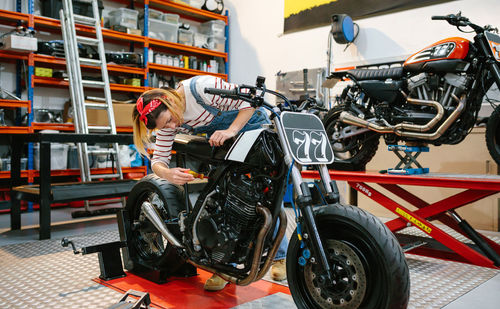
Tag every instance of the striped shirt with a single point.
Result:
(195, 115)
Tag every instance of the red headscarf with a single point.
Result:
(145, 110)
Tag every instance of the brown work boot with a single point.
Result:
(278, 270)
(215, 283)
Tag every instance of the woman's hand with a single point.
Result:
(178, 175)
(219, 137)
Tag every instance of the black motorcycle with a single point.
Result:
(339, 256)
(434, 98)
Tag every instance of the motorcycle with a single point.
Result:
(338, 256)
(434, 98)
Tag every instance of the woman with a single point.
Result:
(188, 109)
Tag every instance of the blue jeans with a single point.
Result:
(225, 119)
(281, 254)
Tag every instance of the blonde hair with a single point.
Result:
(171, 100)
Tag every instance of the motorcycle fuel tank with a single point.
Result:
(443, 56)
